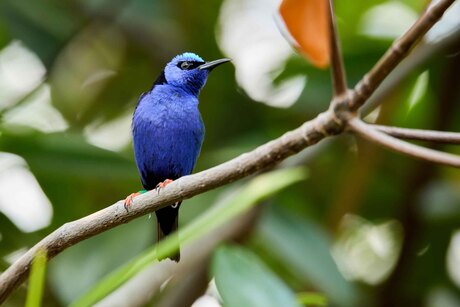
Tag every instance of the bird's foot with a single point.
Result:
(130, 199)
(162, 185)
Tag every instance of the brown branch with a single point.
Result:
(260, 158)
(397, 52)
(420, 134)
(368, 132)
(339, 78)
(424, 52)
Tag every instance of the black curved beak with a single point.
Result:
(213, 64)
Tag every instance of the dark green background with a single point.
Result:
(418, 202)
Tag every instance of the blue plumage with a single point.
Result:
(168, 130)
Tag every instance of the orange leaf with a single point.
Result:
(307, 24)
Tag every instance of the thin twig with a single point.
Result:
(339, 78)
(397, 52)
(418, 58)
(420, 134)
(368, 132)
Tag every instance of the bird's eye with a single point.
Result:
(185, 65)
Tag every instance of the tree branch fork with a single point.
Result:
(342, 116)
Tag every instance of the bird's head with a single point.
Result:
(189, 71)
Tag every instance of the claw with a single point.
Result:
(162, 185)
(130, 199)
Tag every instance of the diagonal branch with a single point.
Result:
(246, 164)
(339, 78)
(368, 132)
(420, 134)
(419, 57)
(397, 52)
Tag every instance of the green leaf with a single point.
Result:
(243, 280)
(305, 251)
(37, 280)
(311, 299)
(256, 190)
(419, 90)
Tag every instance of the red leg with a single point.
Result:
(129, 200)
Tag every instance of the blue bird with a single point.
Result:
(168, 131)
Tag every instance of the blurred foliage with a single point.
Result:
(37, 280)
(70, 76)
(238, 271)
(242, 199)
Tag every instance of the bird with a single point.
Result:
(168, 132)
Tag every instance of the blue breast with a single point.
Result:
(167, 133)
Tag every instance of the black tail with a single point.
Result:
(168, 224)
